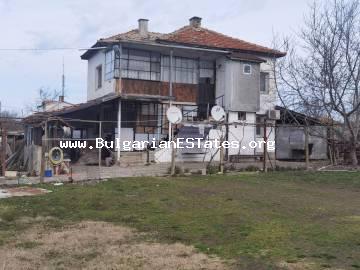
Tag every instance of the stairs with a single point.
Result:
(134, 158)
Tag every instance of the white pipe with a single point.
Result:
(170, 89)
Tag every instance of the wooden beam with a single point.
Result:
(3, 149)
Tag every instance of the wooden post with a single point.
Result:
(43, 153)
(100, 130)
(119, 131)
(221, 167)
(3, 149)
(265, 149)
(306, 129)
(227, 135)
(334, 148)
(173, 154)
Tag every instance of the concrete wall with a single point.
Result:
(107, 86)
(242, 91)
(289, 139)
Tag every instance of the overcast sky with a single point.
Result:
(79, 23)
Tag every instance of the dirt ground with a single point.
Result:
(99, 245)
(21, 191)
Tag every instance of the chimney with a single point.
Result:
(143, 27)
(195, 22)
(61, 98)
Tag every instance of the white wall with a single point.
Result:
(242, 133)
(107, 86)
(270, 132)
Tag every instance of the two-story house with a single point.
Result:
(192, 68)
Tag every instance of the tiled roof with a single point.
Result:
(203, 37)
(133, 35)
(190, 36)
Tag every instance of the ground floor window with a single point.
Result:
(260, 125)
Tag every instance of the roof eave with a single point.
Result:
(100, 43)
(272, 53)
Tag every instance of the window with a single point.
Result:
(98, 77)
(109, 65)
(260, 126)
(141, 65)
(247, 69)
(147, 117)
(76, 134)
(242, 116)
(185, 70)
(264, 82)
(207, 70)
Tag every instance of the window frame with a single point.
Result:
(130, 60)
(250, 67)
(259, 121)
(98, 77)
(183, 67)
(109, 75)
(266, 82)
(243, 114)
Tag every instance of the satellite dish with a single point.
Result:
(56, 155)
(218, 113)
(174, 115)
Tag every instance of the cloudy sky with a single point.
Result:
(79, 23)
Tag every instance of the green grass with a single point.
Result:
(256, 220)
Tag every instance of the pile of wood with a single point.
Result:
(15, 162)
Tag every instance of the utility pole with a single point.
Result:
(63, 80)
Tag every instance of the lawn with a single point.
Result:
(283, 220)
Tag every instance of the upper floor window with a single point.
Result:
(185, 70)
(242, 116)
(109, 65)
(141, 65)
(264, 82)
(98, 76)
(207, 70)
(247, 69)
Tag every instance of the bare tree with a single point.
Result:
(44, 95)
(321, 73)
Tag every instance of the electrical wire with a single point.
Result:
(52, 49)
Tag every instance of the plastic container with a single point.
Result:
(48, 173)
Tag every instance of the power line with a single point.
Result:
(52, 49)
